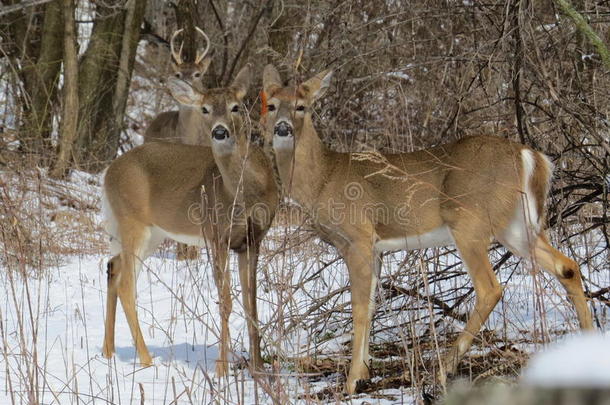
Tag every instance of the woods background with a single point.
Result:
(80, 81)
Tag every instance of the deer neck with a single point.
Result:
(191, 126)
(245, 171)
(302, 170)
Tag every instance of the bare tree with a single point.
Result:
(69, 124)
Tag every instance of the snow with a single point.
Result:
(179, 317)
(579, 361)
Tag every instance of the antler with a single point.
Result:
(177, 56)
(202, 55)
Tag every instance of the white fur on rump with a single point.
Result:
(110, 224)
(523, 230)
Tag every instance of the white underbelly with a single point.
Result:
(438, 237)
(187, 239)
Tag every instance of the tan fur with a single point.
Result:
(472, 187)
(163, 189)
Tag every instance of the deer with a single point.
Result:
(248, 173)
(466, 193)
(169, 190)
(184, 125)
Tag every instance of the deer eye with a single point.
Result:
(178, 75)
(235, 108)
(197, 75)
(271, 107)
(300, 108)
(205, 110)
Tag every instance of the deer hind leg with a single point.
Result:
(138, 242)
(487, 294)
(524, 242)
(567, 272)
(111, 301)
(248, 260)
(362, 264)
(222, 279)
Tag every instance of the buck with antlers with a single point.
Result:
(186, 124)
(170, 190)
(464, 194)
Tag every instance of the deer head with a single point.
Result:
(221, 110)
(191, 72)
(288, 109)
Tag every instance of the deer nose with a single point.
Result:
(220, 133)
(282, 129)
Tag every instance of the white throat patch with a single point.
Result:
(283, 143)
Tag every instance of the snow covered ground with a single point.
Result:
(52, 332)
(53, 326)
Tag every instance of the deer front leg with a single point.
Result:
(186, 252)
(362, 263)
(248, 260)
(222, 279)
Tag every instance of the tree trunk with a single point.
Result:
(102, 89)
(69, 122)
(41, 63)
(131, 36)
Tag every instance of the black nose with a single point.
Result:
(220, 133)
(282, 129)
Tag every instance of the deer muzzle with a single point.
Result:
(220, 133)
(282, 128)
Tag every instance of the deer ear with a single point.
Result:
(242, 82)
(183, 93)
(271, 79)
(317, 85)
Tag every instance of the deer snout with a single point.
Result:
(220, 133)
(282, 128)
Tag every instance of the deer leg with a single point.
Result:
(567, 272)
(487, 290)
(186, 252)
(113, 273)
(222, 279)
(361, 264)
(138, 242)
(248, 260)
(127, 294)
